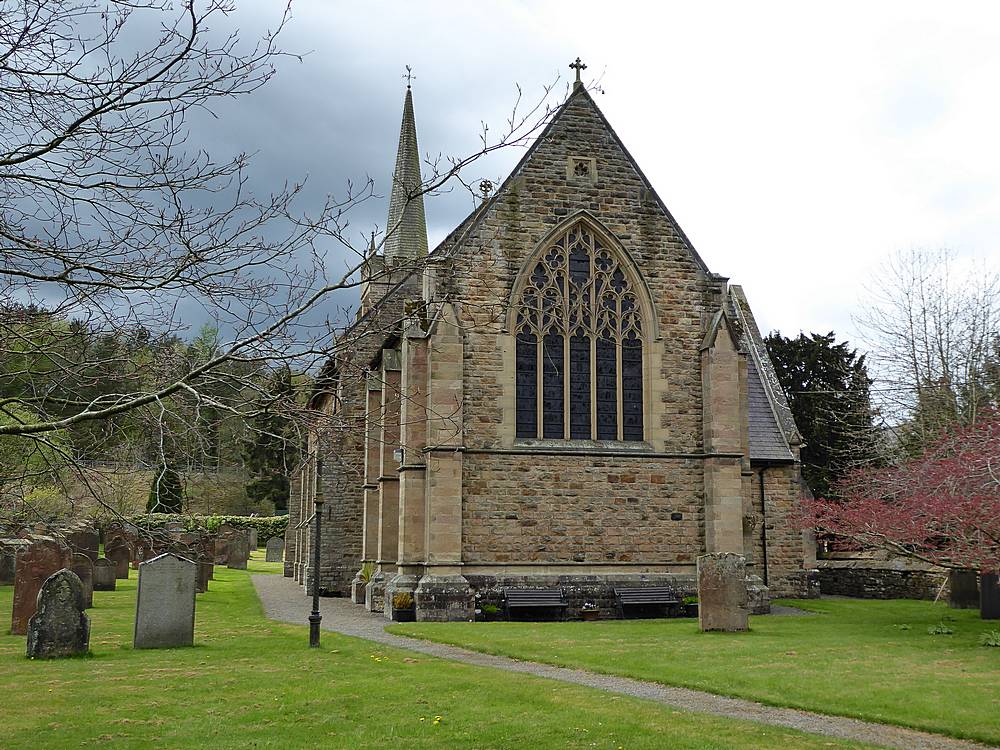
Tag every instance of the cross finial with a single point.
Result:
(408, 75)
(578, 67)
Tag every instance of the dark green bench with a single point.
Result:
(648, 597)
(534, 600)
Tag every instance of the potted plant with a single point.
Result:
(590, 611)
(690, 606)
(402, 607)
(365, 576)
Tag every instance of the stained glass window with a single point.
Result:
(579, 344)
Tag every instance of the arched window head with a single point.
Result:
(579, 334)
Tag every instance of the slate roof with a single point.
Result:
(772, 427)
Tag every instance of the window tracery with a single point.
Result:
(578, 328)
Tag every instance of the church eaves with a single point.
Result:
(406, 228)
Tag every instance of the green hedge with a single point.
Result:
(267, 526)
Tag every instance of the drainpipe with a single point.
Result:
(763, 523)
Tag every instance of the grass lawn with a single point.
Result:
(252, 683)
(868, 659)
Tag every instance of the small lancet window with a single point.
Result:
(579, 364)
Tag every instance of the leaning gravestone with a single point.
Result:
(963, 586)
(84, 569)
(117, 551)
(722, 592)
(164, 610)
(275, 549)
(105, 574)
(36, 562)
(239, 551)
(59, 626)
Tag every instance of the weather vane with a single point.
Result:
(408, 75)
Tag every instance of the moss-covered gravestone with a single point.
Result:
(59, 626)
(722, 592)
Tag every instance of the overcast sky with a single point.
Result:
(797, 144)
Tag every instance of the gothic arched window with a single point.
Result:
(578, 330)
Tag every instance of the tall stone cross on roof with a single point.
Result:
(578, 67)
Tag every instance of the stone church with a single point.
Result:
(560, 394)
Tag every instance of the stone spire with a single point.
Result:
(406, 229)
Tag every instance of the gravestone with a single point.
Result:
(204, 574)
(221, 550)
(41, 558)
(275, 549)
(989, 596)
(8, 556)
(117, 551)
(722, 592)
(59, 627)
(239, 552)
(252, 536)
(84, 569)
(85, 541)
(164, 609)
(963, 588)
(105, 574)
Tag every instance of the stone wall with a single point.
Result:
(881, 579)
(553, 508)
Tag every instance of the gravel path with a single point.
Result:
(285, 601)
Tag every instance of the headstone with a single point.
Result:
(239, 552)
(758, 596)
(84, 569)
(275, 549)
(221, 549)
(204, 574)
(252, 533)
(59, 627)
(36, 562)
(105, 574)
(164, 609)
(722, 592)
(118, 552)
(989, 596)
(86, 541)
(963, 586)
(8, 555)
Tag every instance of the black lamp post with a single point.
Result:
(315, 618)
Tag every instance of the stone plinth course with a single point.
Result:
(35, 563)
(84, 569)
(59, 626)
(164, 609)
(275, 550)
(722, 592)
(105, 575)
